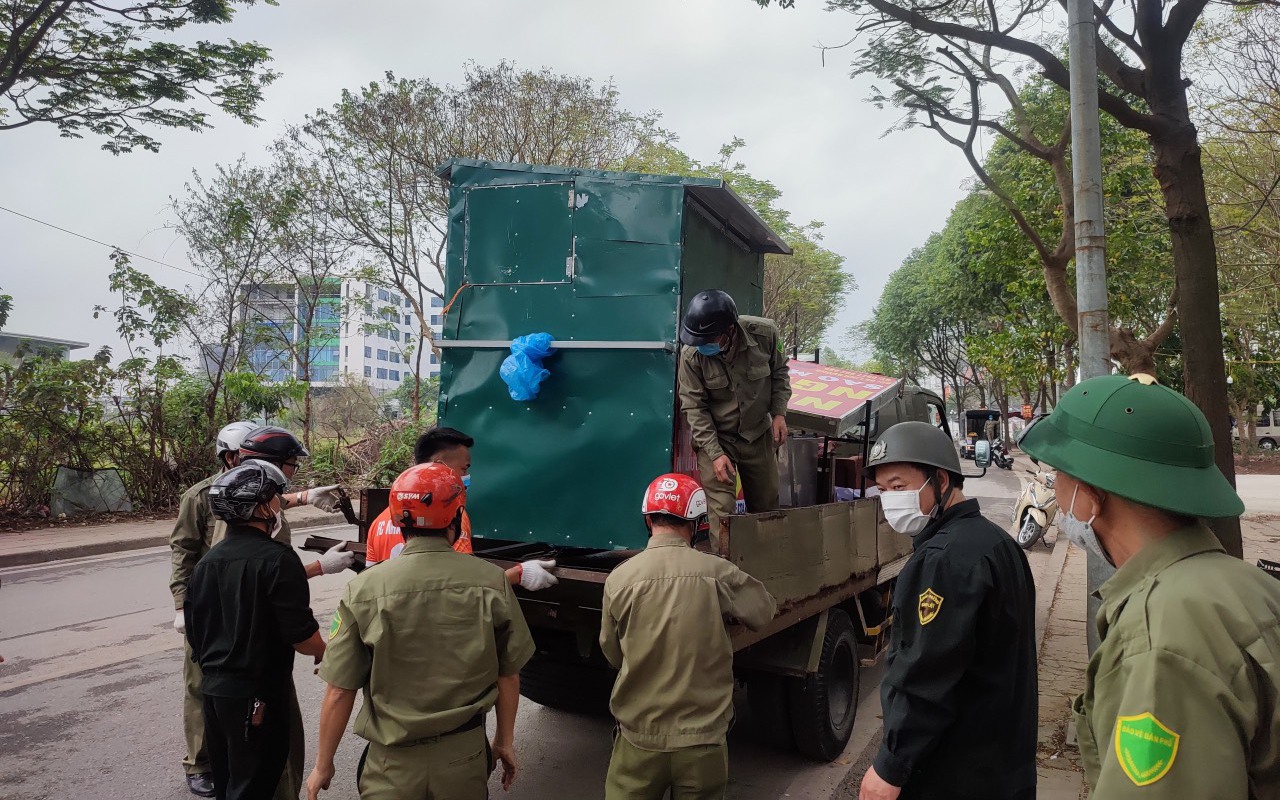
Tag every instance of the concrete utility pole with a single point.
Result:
(1091, 240)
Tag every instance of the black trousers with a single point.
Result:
(247, 761)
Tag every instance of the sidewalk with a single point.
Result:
(1064, 657)
(22, 548)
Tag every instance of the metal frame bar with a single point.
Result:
(561, 345)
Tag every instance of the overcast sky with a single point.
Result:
(714, 69)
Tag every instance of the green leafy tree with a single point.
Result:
(111, 71)
(379, 148)
(951, 58)
(919, 326)
(803, 292)
(1242, 160)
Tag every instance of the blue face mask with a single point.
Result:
(466, 481)
(712, 349)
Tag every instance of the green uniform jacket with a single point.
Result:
(735, 393)
(195, 531)
(426, 635)
(675, 684)
(1180, 698)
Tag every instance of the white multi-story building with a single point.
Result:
(359, 330)
(380, 344)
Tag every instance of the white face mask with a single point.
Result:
(276, 524)
(1081, 533)
(902, 510)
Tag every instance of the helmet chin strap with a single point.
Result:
(939, 498)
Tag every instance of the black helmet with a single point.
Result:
(710, 314)
(236, 493)
(914, 443)
(272, 444)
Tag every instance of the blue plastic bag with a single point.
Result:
(522, 370)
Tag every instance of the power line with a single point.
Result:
(96, 241)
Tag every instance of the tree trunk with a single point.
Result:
(1134, 355)
(1242, 428)
(306, 413)
(1195, 262)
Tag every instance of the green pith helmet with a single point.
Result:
(914, 443)
(1137, 439)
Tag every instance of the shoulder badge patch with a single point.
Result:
(929, 606)
(878, 452)
(336, 625)
(1145, 748)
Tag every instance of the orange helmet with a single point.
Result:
(427, 496)
(677, 495)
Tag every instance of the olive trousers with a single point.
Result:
(450, 767)
(690, 773)
(757, 465)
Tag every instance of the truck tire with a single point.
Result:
(824, 703)
(580, 687)
(768, 699)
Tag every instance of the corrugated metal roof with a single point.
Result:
(713, 194)
(41, 340)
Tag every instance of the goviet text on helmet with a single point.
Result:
(427, 497)
(677, 495)
(236, 494)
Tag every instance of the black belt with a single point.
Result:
(476, 721)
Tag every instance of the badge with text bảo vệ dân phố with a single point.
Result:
(1145, 748)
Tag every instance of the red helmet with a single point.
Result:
(427, 496)
(677, 495)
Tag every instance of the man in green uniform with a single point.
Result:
(673, 698)
(434, 638)
(195, 531)
(959, 695)
(734, 387)
(1180, 698)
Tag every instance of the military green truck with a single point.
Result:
(604, 263)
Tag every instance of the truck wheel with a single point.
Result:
(767, 697)
(824, 704)
(574, 686)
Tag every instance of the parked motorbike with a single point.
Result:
(999, 456)
(1036, 508)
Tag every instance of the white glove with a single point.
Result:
(336, 559)
(180, 623)
(534, 575)
(325, 498)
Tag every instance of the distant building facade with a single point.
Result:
(366, 332)
(10, 343)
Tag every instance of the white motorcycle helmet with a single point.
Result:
(230, 437)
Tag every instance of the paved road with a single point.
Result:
(90, 692)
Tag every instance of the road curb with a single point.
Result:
(53, 552)
(1050, 579)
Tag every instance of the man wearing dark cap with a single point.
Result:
(734, 386)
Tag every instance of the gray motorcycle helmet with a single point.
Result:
(914, 443)
(238, 492)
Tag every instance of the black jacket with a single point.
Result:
(960, 697)
(247, 604)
